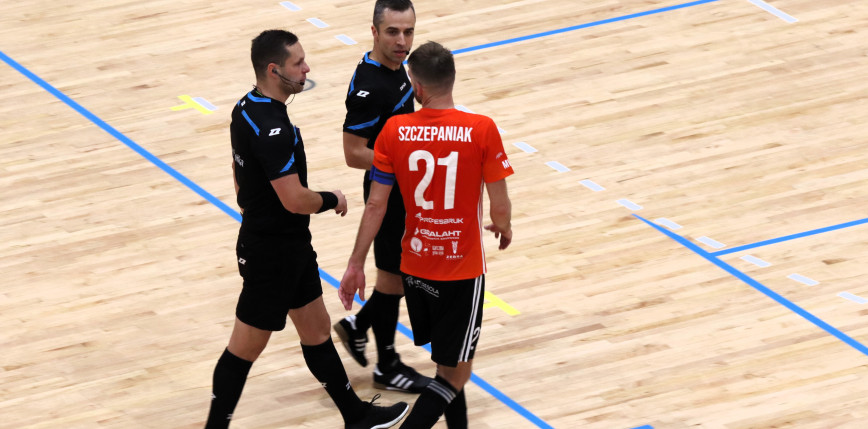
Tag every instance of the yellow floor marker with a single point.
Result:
(491, 300)
(197, 103)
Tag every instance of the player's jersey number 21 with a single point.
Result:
(451, 164)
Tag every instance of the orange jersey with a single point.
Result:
(440, 159)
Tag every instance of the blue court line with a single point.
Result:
(760, 287)
(122, 138)
(791, 237)
(580, 26)
(473, 377)
(235, 215)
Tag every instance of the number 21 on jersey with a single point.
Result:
(451, 163)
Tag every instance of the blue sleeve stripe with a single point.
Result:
(250, 121)
(288, 164)
(380, 176)
(352, 84)
(403, 100)
(365, 125)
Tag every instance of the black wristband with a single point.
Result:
(329, 201)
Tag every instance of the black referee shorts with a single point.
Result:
(447, 314)
(387, 243)
(279, 274)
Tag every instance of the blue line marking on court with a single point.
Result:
(235, 215)
(760, 287)
(122, 138)
(579, 27)
(644, 427)
(773, 10)
(473, 377)
(792, 237)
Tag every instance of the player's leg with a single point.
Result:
(455, 327)
(312, 322)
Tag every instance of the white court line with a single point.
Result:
(591, 185)
(756, 261)
(290, 6)
(317, 22)
(667, 223)
(525, 147)
(346, 39)
(629, 204)
(855, 298)
(711, 242)
(463, 109)
(773, 10)
(802, 279)
(204, 103)
(558, 166)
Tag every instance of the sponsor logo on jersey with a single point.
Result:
(454, 247)
(362, 93)
(274, 132)
(416, 244)
(403, 85)
(505, 163)
(437, 221)
(449, 133)
(439, 234)
(239, 160)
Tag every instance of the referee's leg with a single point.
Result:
(245, 345)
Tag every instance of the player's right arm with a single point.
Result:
(356, 152)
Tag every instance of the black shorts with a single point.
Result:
(279, 274)
(446, 314)
(387, 243)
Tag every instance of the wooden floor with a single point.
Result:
(718, 117)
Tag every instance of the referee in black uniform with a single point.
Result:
(379, 90)
(275, 256)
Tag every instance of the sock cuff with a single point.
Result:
(443, 389)
(234, 363)
(386, 298)
(324, 346)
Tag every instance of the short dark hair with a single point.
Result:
(396, 5)
(270, 47)
(432, 65)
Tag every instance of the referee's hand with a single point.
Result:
(341, 208)
(353, 280)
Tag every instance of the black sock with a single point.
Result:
(456, 412)
(363, 317)
(229, 377)
(325, 365)
(384, 323)
(430, 405)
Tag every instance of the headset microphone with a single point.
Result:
(285, 79)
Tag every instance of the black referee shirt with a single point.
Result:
(376, 94)
(266, 146)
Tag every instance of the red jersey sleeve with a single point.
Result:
(495, 165)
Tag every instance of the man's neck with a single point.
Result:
(271, 92)
(384, 61)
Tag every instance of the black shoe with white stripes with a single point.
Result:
(400, 377)
(377, 417)
(354, 340)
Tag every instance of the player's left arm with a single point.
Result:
(500, 210)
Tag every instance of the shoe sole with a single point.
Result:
(393, 422)
(345, 340)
